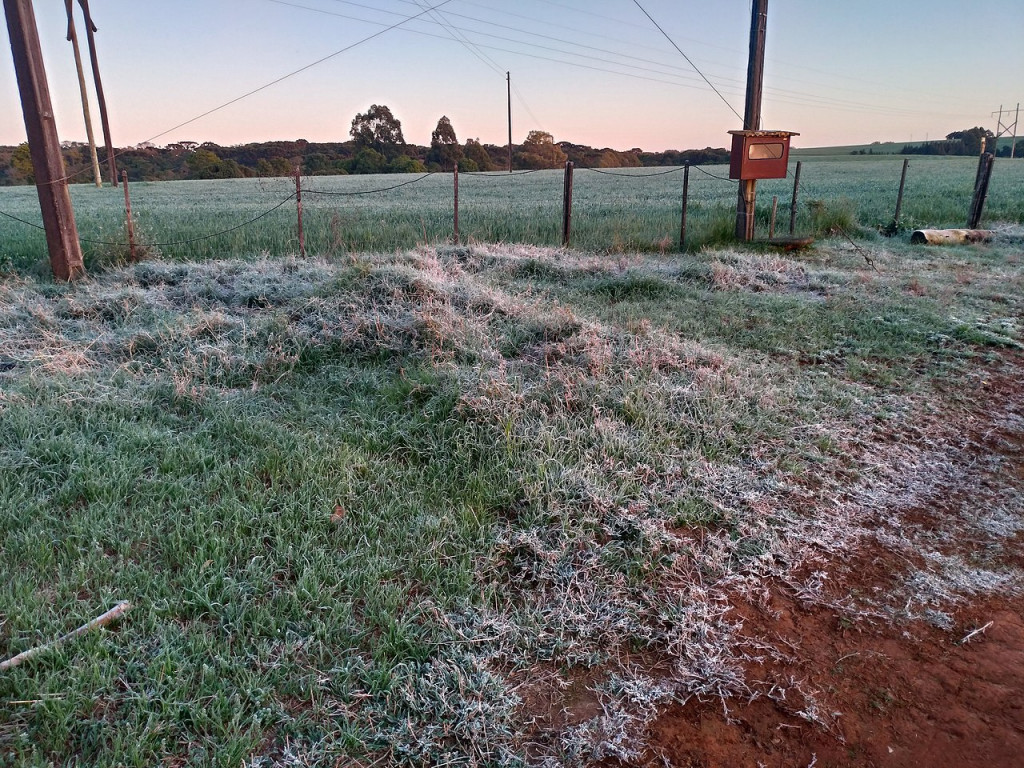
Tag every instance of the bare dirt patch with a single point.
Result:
(854, 678)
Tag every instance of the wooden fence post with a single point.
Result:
(129, 222)
(985, 166)
(899, 199)
(686, 204)
(298, 205)
(567, 206)
(775, 213)
(796, 193)
(456, 178)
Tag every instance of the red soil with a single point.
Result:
(887, 693)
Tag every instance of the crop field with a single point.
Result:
(638, 210)
(410, 503)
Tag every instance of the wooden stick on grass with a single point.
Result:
(112, 615)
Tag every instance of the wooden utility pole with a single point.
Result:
(44, 146)
(73, 39)
(90, 32)
(752, 114)
(508, 77)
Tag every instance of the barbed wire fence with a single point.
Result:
(331, 235)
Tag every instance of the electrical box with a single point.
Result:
(760, 154)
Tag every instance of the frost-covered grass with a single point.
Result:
(359, 503)
(636, 211)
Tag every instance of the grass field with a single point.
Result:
(634, 212)
(362, 503)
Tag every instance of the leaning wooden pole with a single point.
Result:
(86, 112)
(90, 32)
(44, 145)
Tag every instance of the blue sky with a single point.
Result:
(594, 72)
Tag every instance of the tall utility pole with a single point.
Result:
(44, 146)
(1002, 129)
(752, 114)
(90, 32)
(73, 39)
(508, 77)
(1013, 143)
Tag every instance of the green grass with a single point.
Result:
(611, 214)
(357, 503)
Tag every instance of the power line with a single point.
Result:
(464, 41)
(695, 69)
(300, 70)
(284, 77)
(791, 96)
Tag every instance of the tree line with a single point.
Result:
(966, 142)
(376, 145)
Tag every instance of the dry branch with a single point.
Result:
(110, 616)
(976, 632)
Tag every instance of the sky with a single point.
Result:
(595, 72)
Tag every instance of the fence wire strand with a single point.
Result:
(634, 175)
(326, 193)
(367, 191)
(178, 242)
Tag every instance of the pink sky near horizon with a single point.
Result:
(595, 73)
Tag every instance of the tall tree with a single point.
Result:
(444, 145)
(540, 151)
(971, 139)
(379, 130)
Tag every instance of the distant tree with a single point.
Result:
(367, 161)
(379, 130)
(444, 145)
(475, 152)
(322, 164)
(966, 142)
(540, 151)
(21, 164)
(276, 166)
(405, 164)
(970, 139)
(204, 164)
